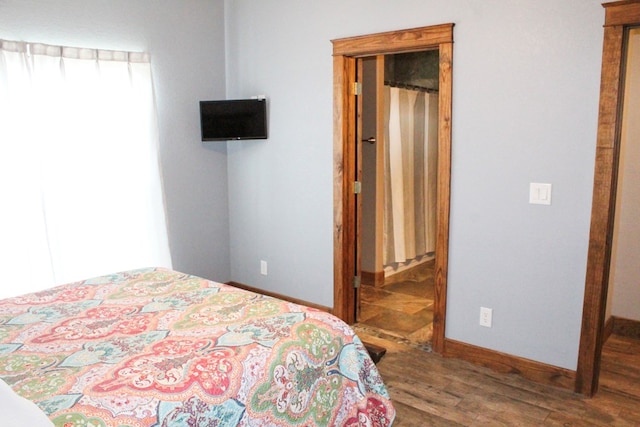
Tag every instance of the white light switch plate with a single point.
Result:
(539, 194)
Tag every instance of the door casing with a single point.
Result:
(619, 16)
(345, 53)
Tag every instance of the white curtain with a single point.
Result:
(79, 176)
(411, 153)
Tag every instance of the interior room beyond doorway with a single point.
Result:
(399, 137)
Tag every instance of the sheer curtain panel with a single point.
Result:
(79, 175)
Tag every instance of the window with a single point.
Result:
(79, 176)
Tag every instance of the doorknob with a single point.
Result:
(370, 140)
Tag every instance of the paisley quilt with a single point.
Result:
(155, 347)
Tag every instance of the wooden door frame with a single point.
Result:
(619, 16)
(345, 53)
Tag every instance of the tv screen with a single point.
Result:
(233, 119)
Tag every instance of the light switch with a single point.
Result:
(539, 194)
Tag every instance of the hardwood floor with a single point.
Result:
(428, 390)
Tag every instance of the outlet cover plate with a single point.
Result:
(486, 315)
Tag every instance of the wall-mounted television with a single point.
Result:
(233, 119)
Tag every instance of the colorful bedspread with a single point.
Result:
(155, 347)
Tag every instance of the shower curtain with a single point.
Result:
(411, 153)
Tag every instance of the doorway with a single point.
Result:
(619, 18)
(347, 172)
(398, 155)
(623, 302)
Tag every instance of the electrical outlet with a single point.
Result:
(263, 268)
(485, 316)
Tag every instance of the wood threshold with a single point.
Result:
(279, 296)
(508, 364)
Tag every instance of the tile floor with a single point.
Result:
(402, 307)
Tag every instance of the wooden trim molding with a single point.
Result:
(443, 195)
(372, 278)
(622, 13)
(508, 364)
(394, 41)
(622, 327)
(618, 16)
(343, 198)
(607, 330)
(626, 327)
(345, 52)
(279, 296)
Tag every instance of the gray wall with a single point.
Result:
(186, 42)
(525, 102)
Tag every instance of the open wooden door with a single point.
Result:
(357, 187)
(370, 161)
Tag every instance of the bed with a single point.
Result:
(155, 347)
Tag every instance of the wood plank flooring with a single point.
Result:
(428, 390)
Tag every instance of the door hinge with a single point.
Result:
(356, 281)
(357, 187)
(357, 88)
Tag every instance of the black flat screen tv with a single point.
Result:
(233, 119)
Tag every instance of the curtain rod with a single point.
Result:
(409, 86)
